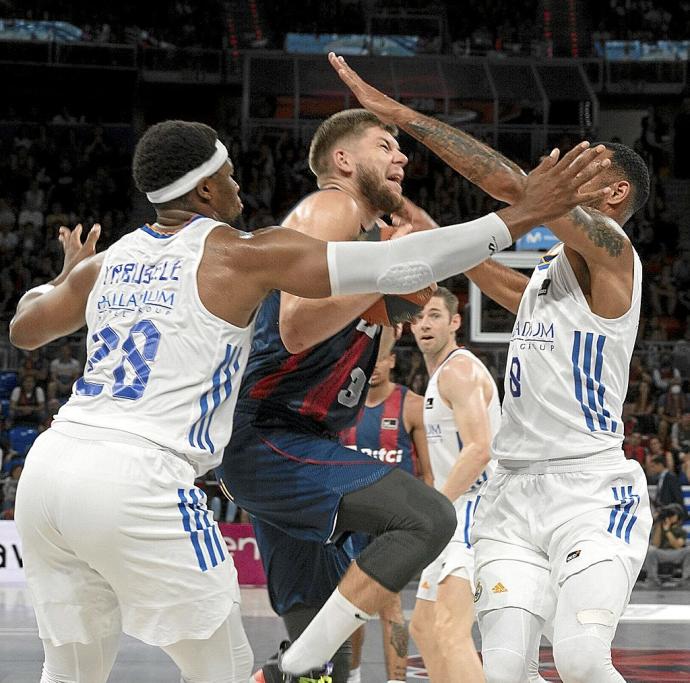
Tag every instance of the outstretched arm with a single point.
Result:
(479, 163)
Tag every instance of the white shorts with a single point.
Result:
(533, 530)
(457, 558)
(116, 537)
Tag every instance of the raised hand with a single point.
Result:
(369, 97)
(555, 187)
(75, 251)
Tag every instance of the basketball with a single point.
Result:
(391, 309)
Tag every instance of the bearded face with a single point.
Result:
(379, 191)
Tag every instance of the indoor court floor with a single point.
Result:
(652, 643)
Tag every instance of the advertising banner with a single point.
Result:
(242, 545)
(11, 564)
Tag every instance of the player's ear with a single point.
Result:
(342, 160)
(456, 321)
(203, 188)
(620, 191)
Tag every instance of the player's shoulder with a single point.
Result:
(412, 399)
(329, 199)
(327, 214)
(460, 371)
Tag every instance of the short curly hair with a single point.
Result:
(168, 150)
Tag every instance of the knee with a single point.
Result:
(503, 666)
(582, 660)
(420, 628)
(437, 524)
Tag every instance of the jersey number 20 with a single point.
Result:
(138, 361)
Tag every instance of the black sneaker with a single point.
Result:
(270, 672)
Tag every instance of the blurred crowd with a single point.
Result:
(641, 20)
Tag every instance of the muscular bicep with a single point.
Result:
(291, 262)
(464, 389)
(59, 312)
(327, 216)
(598, 239)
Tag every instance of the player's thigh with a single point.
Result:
(608, 516)
(515, 583)
(72, 600)
(74, 662)
(151, 536)
(224, 657)
(292, 479)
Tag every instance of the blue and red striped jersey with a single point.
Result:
(380, 433)
(322, 387)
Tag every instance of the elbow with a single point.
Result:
(21, 337)
(293, 339)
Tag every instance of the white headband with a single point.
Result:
(189, 180)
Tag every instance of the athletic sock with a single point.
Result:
(355, 675)
(335, 622)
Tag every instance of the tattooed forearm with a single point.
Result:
(399, 638)
(599, 231)
(468, 156)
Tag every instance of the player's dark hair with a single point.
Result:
(449, 299)
(633, 168)
(335, 128)
(168, 150)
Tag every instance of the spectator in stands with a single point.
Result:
(33, 364)
(664, 292)
(680, 434)
(9, 238)
(9, 491)
(633, 448)
(64, 371)
(667, 485)
(27, 403)
(680, 445)
(665, 374)
(672, 405)
(680, 356)
(639, 397)
(668, 544)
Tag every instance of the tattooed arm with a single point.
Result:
(597, 248)
(481, 165)
(602, 258)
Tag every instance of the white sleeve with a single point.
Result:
(414, 261)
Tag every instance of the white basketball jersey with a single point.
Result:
(567, 369)
(159, 365)
(441, 432)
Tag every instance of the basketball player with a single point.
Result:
(390, 428)
(564, 525)
(301, 575)
(462, 413)
(306, 380)
(147, 557)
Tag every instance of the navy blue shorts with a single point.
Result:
(299, 573)
(293, 479)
